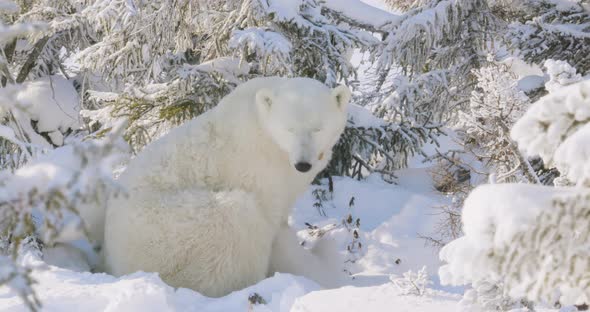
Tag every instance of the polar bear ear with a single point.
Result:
(264, 99)
(342, 95)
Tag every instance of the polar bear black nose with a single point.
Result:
(303, 166)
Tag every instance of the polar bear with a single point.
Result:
(208, 203)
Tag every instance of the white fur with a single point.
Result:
(208, 203)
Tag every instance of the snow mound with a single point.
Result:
(63, 290)
(375, 299)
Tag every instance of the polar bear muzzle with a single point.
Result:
(303, 166)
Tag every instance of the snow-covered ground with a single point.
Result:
(391, 216)
(63, 290)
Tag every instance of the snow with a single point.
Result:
(362, 117)
(261, 40)
(560, 74)
(378, 298)
(565, 5)
(289, 10)
(363, 12)
(530, 83)
(483, 211)
(479, 216)
(53, 103)
(46, 172)
(492, 215)
(8, 134)
(390, 218)
(499, 218)
(8, 6)
(53, 170)
(68, 176)
(573, 154)
(228, 67)
(542, 128)
(521, 68)
(64, 290)
(378, 4)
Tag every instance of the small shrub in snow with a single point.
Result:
(412, 283)
(354, 247)
(321, 196)
(453, 178)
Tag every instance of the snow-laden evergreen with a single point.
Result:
(534, 239)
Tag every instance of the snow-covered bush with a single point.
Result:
(41, 199)
(495, 105)
(561, 74)
(188, 71)
(486, 296)
(18, 279)
(372, 145)
(159, 84)
(556, 128)
(48, 167)
(423, 69)
(547, 29)
(43, 120)
(429, 56)
(37, 38)
(533, 239)
(412, 283)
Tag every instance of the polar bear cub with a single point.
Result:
(208, 203)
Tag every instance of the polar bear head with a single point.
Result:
(305, 119)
